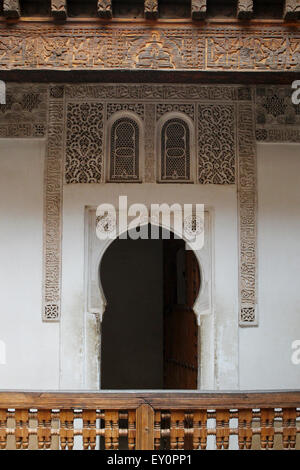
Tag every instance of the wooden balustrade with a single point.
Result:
(150, 420)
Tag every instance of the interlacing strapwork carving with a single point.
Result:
(247, 194)
(11, 8)
(84, 142)
(216, 144)
(53, 207)
(175, 150)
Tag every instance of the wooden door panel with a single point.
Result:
(180, 327)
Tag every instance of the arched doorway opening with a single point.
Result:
(149, 332)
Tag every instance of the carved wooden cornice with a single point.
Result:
(104, 8)
(11, 8)
(59, 9)
(151, 9)
(118, 46)
(245, 9)
(199, 9)
(292, 10)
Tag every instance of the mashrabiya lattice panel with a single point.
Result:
(84, 140)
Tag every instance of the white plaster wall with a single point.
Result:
(221, 351)
(32, 347)
(265, 351)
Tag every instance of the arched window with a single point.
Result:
(124, 150)
(175, 150)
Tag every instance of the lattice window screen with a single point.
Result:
(175, 151)
(124, 150)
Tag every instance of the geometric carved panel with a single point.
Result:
(216, 144)
(277, 118)
(84, 138)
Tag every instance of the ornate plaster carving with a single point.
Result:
(84, 140)
(216, 144)
(277, 118)
(137, 108)
(291, 10)
(53, 206)
(25, 111)
(247, 197)
(163, 108)
(11, 8)
(112, 46)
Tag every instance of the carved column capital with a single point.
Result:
(104, 8)
(11, 8)
(292, 10)
(199, 9)
(59, 9)
(245, 9)
(151, 9)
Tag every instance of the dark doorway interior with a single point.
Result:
(149, 334)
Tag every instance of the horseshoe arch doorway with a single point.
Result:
(149, 333)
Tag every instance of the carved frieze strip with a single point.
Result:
(59, 9)
(278, 135)
(104, 8)
(25, 112)
(11, 8)
(151, 9)
(209, 48)
(153, 92)
(291, 10)
(247, 202)
(53, 190)
(199, 8)
(245, 9)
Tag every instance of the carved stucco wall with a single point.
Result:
(76, 115)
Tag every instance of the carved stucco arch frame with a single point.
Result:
(191, 125)
(107, 149)
(203, 306)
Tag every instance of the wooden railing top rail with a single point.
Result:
(156, 399)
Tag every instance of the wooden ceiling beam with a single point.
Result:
(245, 9)
(104, 8)
(291, 10)
(151, 9)
(199, 8)
(59, 9)
(11, 8)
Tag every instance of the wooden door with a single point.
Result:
(181, 287)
